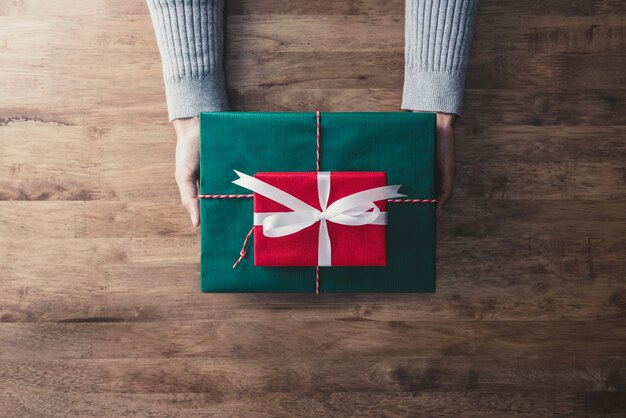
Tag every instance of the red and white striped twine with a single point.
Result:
(247, 196)
(412, 200)
(243, 252)
(318, 116)
(317, 140)
(225, 196)
(317, 280)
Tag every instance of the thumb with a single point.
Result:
(188, 189)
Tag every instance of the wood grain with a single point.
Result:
(100, 309)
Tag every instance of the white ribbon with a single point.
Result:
(352, 210)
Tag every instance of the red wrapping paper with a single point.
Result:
(363, 245)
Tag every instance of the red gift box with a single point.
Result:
(350, 245)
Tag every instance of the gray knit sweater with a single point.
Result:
(190, 35)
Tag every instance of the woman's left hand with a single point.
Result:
(446, 159)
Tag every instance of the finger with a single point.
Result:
(441, 202)
(192, 205)
(189, 197)
(444, 196)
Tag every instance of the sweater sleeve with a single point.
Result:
(190, 36)
(438, 34)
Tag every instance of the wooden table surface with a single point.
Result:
(100, 309)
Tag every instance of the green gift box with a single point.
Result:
(401, 144)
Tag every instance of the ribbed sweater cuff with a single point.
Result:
(190, 35)
(188, 96)
(433, 91)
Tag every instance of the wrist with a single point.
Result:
(186, 126)
(446, 119)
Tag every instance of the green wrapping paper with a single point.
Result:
(402, 144)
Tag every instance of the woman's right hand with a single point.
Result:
(188, 165)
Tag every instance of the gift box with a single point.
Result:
(383, 245)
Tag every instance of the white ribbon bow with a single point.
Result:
(350, 210)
